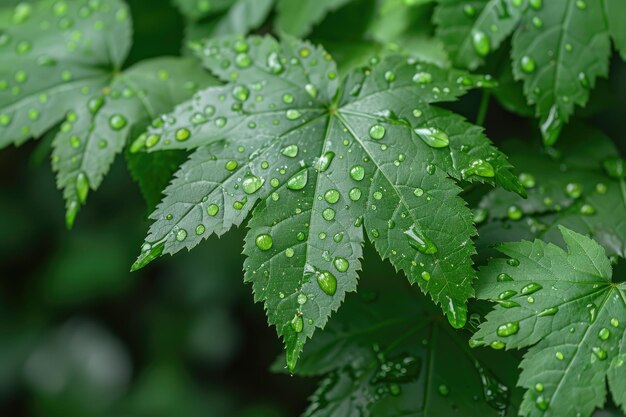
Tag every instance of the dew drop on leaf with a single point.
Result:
(264, 242)
(299, 180)
(327, 282)
(419, 241)
(433, 137)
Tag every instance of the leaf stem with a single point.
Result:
(482, 109)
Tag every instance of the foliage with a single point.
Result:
(358, 135)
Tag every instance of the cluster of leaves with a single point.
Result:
(322, 154)
(558, 49)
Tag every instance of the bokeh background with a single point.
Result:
(82, 336)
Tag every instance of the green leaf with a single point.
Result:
(559, 47)
(387, 353)
(71, 70)
(472, 29)
(326, 163)
(153, 172)
(569, 186)
(564, 305)
(97, 128)
(46, 69)
(297, 18)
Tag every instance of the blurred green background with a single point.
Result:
(82, 336)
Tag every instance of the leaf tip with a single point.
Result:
(148, 254)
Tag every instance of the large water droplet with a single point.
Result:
(181, 235)
(327, 282)
(290, 151)
(419, 241)
(531, 288)
(299, 180)
(82, 187)
(508, 329)
(481, 42)
(297, 323)
(357, 172)
(264, 242)
(433, 137)
(324, 161)
(117, 122)
(341, 264)
(251, 184)
(527, 64)
(377, 132)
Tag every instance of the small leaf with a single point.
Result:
(568, 311)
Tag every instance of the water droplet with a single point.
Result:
(425, 275)
(614, 322)
(422, 77)
(443, 390)
(581, 4)
(419, 241)
(531, 288)
(377, 132)
(587, 209)
(504, 277)
(302, 299)
(117, 122)
(355, 194)
(5, 119)
(242, 60)
(481, 42)
(574, 190)
(604, 333)
(456, 314)
(527, 64)
(390, 76)
(181, 235)
(264, 242)
(290, 151)
(231, 165)
(292, 114)
(551, 126)
(297, 323)
(542, 403)
(599, 352)
(241, 93)
(357, 172)
(433, 137)
(512, 262)
(311, 90)
(331, 196)
(82, 187)
(505, 295)
(251, 184)
(341, 264)
(514, 212)
(327, 282)
(212, 210)
(328, 214)
(299, 180)
(549, 312)
(324, 161)
(479, 167)
(508, 329)
(497, 345)
(95, 104)
(527, 180)
(200, 229)
(469, 10)
(536, 4)
(182, 134)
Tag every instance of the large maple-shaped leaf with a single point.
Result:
(559, 47)
(327, 165)
(579, 185)
(387, 353)
(564, 305)
(68, 68)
